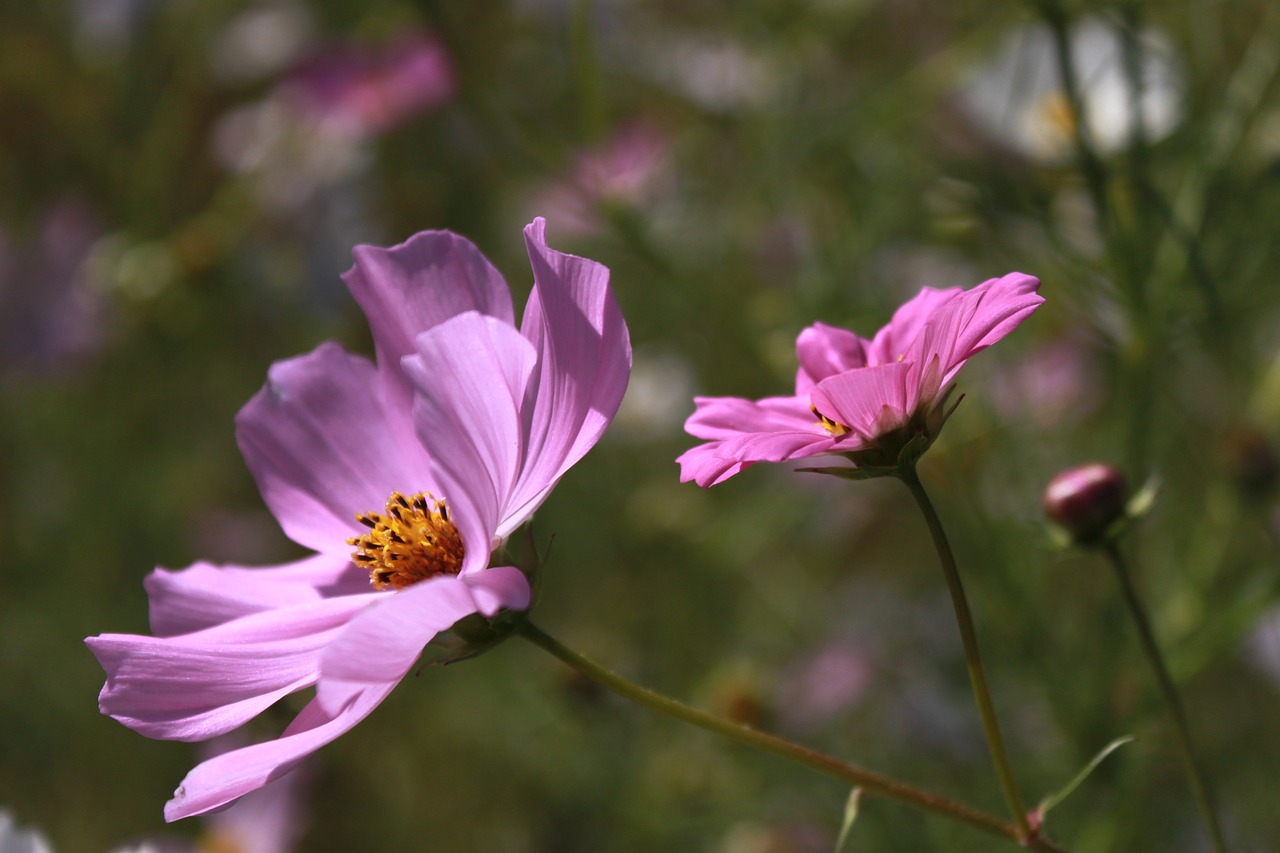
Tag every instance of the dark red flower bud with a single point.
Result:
(1086, 501)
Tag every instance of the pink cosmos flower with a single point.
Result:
(628, 170)
(409, 473)
(367, 90)
(864, 398)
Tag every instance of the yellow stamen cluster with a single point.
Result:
(1056, 111)
(412, 541)
(833, 427)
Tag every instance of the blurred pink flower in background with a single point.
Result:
(823, 684)
(1057, 382)
(52, 317)
(313, 130)
(854, 394)
(460, 430)
(626, 171)
(365, 90)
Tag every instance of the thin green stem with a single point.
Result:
(969, 637)
(871, 783)
(1199, 787)
(1091, 165)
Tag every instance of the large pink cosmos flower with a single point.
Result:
(409, 473)
(865, 398)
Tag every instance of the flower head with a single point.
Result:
(1019, 98)
(867, 399)
(405, 476)
(1086, 502)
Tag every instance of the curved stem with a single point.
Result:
(871, 783)
(1199, 787)
(969, 637)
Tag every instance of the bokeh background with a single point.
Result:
(182, 183)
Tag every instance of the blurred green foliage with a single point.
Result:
(807, 161)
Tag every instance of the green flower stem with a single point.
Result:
(1199, 787)
(977, 675)
(871, 783)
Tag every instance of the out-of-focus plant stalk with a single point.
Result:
(1199, 787)
(973, 658)
(1122, 245)
(869, 782)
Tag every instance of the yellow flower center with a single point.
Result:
(412, 541)
(1058, 114)
(833, 427)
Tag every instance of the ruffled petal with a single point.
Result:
(498, 588)
(203, 595)
(317, 441)
(744, 432)
(716, 461)
(415, 286)
(220, 780)
(584, 350)
(380, 646)
(823, 351)
(893, 341)
(470, 374)
(199, 685)
(870, 401)
(728, 417)
(271, 819)
(977, 319)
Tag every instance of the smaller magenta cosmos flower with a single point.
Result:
(867, 399)
(405, 477)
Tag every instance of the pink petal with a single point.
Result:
(705, 467)
(859, 399)
(728, 417)
(470, 374)
(317, 440)
(499, 587)
(381, 645)
(271, 819)
(744, 432)
(220, 780)
(199, 685)
(716, 461)
(824, 351)
(204, 595)
(893, 341)
(413, 287)
(584, 349)
(977, 319)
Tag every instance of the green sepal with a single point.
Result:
(1053, 800)
(470, 636)
(865, 472)
(850, 815)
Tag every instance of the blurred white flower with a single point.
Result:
(1019, 100)
(104, 30)
(15, 840)
(1262, 648)
(718, 73)
(287, 159)
(657, 399)
(261, 41)
(313, 131)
